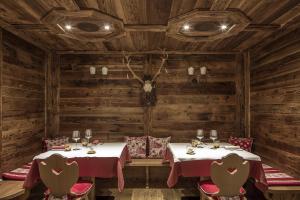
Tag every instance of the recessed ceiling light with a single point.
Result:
(186, 27)
(223, 27)
(68, 27)
(107, 27)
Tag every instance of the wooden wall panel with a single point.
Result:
(23, 102)
(275, 100)
(184, 106)
(111, 107)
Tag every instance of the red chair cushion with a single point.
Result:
(78, 190)
(209, 188)
(81, 188)
(244, 143)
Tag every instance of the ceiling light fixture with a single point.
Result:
(68, 27)
(223, 27)
(107, 27)
(186, 27)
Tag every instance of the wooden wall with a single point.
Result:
(22, 101)
(275, 99)
(111, 107)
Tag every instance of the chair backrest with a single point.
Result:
(58, 175)
(229, 175)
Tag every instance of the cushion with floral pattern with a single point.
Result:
(136, 146)
(49, 143)
(244, 143)
(158, 146)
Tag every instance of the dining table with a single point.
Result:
(107, 161)
(199, 163)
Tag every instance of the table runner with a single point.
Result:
(107, 162)
(199, 164)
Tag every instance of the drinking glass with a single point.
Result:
(88, 134)
(76, 138)
(213, 135)
(200, 134)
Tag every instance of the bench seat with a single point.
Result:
(144, 162)
(275, 177)
(18, 174)
(147, 162)
(281, 185)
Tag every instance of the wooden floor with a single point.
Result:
(153, 194)
(136, 194)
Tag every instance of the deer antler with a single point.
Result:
(164, 57)
(126, 57)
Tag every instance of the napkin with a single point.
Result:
(232, 147)
(60, 147)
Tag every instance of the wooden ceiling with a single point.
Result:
(24, 17)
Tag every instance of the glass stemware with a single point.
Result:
(76, 138)
(213, 135)
(88, 134)
(200, 134)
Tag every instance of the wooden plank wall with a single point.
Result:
(23, 102)
(275, 99)
(111, 107)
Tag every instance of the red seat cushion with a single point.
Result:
(278, 178)
(209, 188)
(18, 174)
(78, 190)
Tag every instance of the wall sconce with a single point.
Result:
(203, 70)
(191, 71)
(104, 71)
(92, 70)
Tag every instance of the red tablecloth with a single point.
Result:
(201, 168)
(106, 167)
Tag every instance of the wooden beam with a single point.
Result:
(22, 35)
(145, 27)
(262, 27)
(1, 124)
(145, 52)
(247, 117)
(52, 95)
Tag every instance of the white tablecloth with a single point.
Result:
(206, 153)
(106, 150)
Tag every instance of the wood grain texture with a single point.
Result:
(275, 99)
(52, 95)
(22, 96)
(110, 105)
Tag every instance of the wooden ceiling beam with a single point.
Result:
(163, 28)
(262, 27)
(22, 35)
(145, 27)
(145, 52)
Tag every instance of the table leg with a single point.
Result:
(92, 194)
(147, 177)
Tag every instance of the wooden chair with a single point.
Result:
(61, 178)
(227, 179)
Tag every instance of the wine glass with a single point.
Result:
(200, 134)
(213, 135)
(76, 138)
(88, 134)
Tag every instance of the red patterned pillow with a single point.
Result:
(56, 142)
(244, 143)
(136, 146)
(158, 146)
